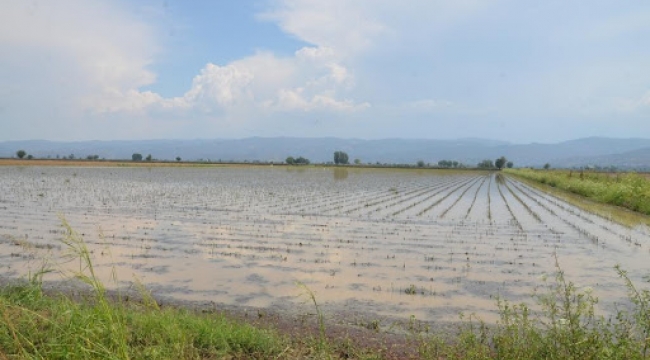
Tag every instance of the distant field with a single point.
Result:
(200, 164)
(104, 163)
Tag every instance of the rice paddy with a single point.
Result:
(403, 244)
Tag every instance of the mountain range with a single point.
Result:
(593, 151)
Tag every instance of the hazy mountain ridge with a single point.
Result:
(635, 159)
(581, 152)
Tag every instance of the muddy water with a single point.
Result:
(387, 242)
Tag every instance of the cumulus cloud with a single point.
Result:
(221, 85)
(314, 78)
(311, 80)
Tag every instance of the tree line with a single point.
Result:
(340, 158)
(499, 164)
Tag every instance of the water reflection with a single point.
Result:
(340, 173)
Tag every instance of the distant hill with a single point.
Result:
(635, 159)
(581, 152)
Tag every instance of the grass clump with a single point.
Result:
(44, 327)
(628, 190)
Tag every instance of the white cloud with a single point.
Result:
(316, 54)
(221, 85)
(296, 99)
(131, 101)
(311, 80)
(101, 49)
(353, 28)
(346, 26)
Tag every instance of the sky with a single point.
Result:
(513, 70)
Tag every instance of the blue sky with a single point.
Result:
(520, 71)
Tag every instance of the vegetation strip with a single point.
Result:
(629, 190)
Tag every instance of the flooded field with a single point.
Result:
(387, 242)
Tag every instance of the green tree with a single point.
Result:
(547, 166)
(178, 158)
(500, 162)
(509, 165)
(30, 156)
(136, 157)
(290, 160)
(21, 154)
(420, 163)
(149, 158)
(301, 161)
(341, 157)
(357, 161)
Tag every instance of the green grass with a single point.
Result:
(629, 190)
(561, 324)
(43, 327)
